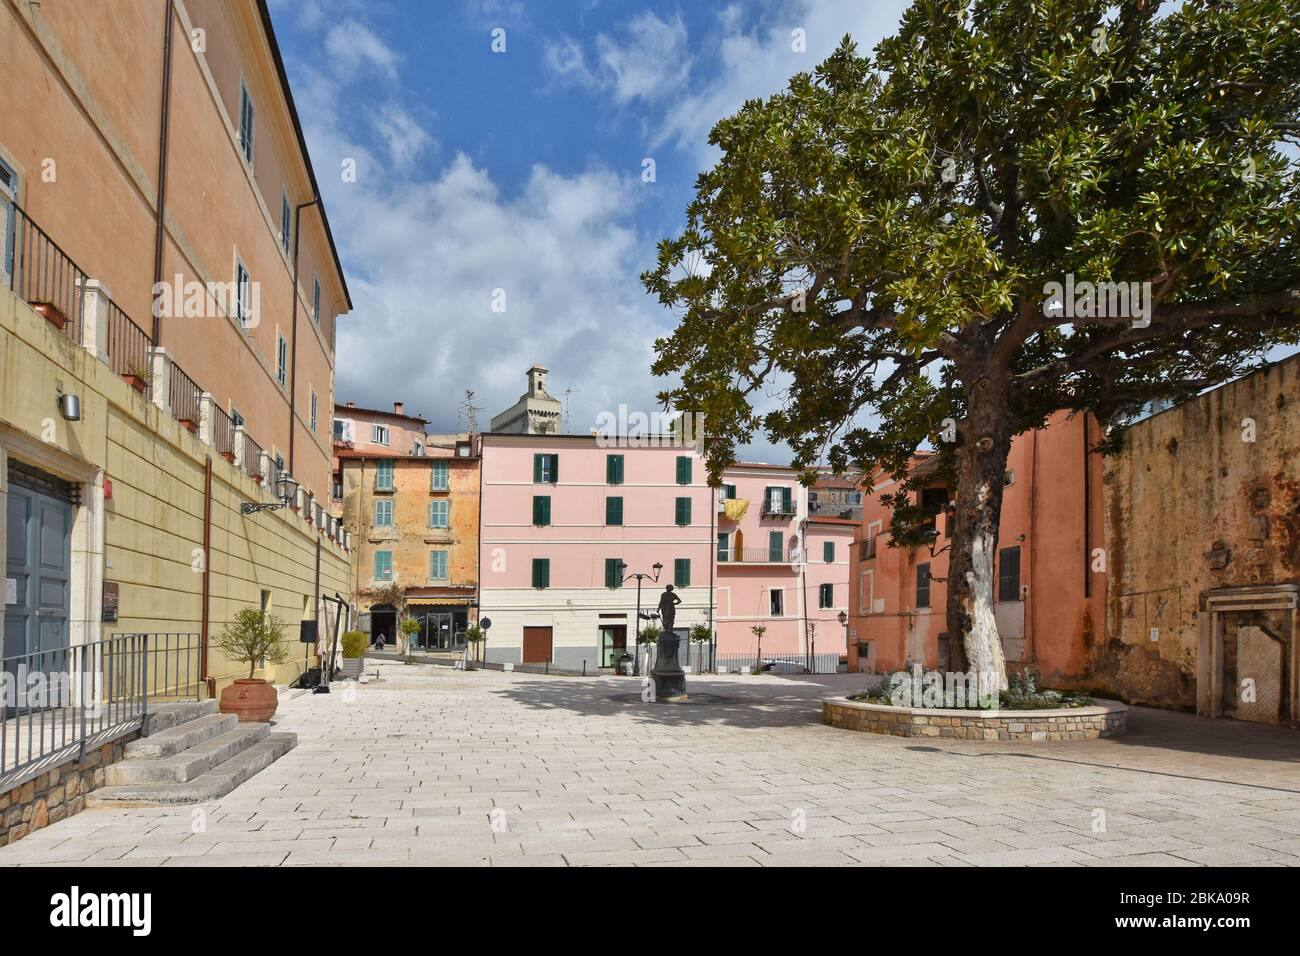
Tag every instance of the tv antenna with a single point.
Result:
(469, 411)
(567, 393)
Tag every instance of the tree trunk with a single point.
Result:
(985, 442)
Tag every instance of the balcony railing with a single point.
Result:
(185, 397)
(252, 457)
(128, 346)
(223, 433)
(753, 556)
(39, 272)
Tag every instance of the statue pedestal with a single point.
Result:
(669, 678)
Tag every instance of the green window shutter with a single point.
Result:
(729, 491)
(383, 565)
(724, 546)
(541, 572)
(537, 469)
(614, 511)
(613, 575)
(541, 509)
(828, 552)
(682, 572)
(683, 511)
(775, 545)
(683, 470)
(787, 506)
(555, 469)
(614, 469)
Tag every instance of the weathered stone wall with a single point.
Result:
(1203, 495)
(56, 794)
(1082, 723)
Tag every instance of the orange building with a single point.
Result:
(156, 147)
(411, 502)
(1051, 581)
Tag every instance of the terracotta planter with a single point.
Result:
(51, 313)
(136, 382)
(229, 456)
(192, 427)
(252, 701)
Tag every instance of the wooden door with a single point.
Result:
(537, 645)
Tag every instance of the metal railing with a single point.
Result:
(252, 457)
(753, 556)
(779, 662)
(38, 271)
(223, 431)
(128, 346)
(58, 703)
(184, 397)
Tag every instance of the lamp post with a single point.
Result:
(287, 488)
(844, 623)
(640, 576)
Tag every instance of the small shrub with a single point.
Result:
(355, 644)
(650, 634)
(252, 636)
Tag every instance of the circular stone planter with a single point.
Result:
(1105, 718)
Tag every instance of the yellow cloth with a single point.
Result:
(735, 508)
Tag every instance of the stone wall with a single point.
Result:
(57, 793)
(1078, 723)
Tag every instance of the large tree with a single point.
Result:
(878, 244)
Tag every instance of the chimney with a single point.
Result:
(397, 407)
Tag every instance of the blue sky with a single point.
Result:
(521, 171)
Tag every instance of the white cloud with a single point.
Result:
(401, 133)
(353, 47)
(648, 61)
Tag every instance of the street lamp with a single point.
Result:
(640, 576)
(844, 623)
(287, 488)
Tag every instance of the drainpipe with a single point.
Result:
(1034, 544)
(293, 325)
(160, 213)
(713, 563)
(1087, 513)
(207, 579)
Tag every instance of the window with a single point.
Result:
(681, 572)
(724, 545)
(285, 222)
(613, 469)
(541, 572)
(727, 492)
(384, 513)
(541, 510)
(281, 360)
(683, 511)
(379, 434)
(336, 488)
(438, 565)
(775, 545)
(613, 572)
(236, 419)
(776, 602)
(279, 467)
(546, 469)
(8, 193)
(243, 294)
(246, 117)
(683, 469)
(313, 409)
(439, 481)
(923, 585)
(1009, 574)
(340, 429)
(383, 565)
(825, 595)
(417, 450)
(315, 300)
(613, 511)
(439, 513)
(778, 501)
(384, 476)
(828, 552)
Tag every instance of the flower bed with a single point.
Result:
(1100, 719)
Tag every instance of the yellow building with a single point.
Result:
(165, 260)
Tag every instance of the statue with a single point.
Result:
(668, 602)
(669, 678)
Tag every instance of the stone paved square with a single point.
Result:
(429, 766)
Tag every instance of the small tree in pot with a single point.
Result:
(354, 653)
(474, 637)
(407, 629)
(252, 637)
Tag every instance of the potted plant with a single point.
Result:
(51, 313)
(408, 629)
(474, 636)
(253, 636)
(699, 636)
(354, 654)
(137, 377)
(758, 630)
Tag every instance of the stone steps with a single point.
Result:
(210, 785)
(180, 737)
(189, 763)
(165, 716)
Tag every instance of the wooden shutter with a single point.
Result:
(614, 511)
(682, 572)
(537, 469)
(683, 470)
(541, 509)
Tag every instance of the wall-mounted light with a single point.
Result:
(287, 488)
(70, 407)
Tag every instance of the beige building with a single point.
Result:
(157, 204)
(410, 501)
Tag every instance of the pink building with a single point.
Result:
(565, 520)
(783, 556)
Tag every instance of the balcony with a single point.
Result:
(754, 556)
